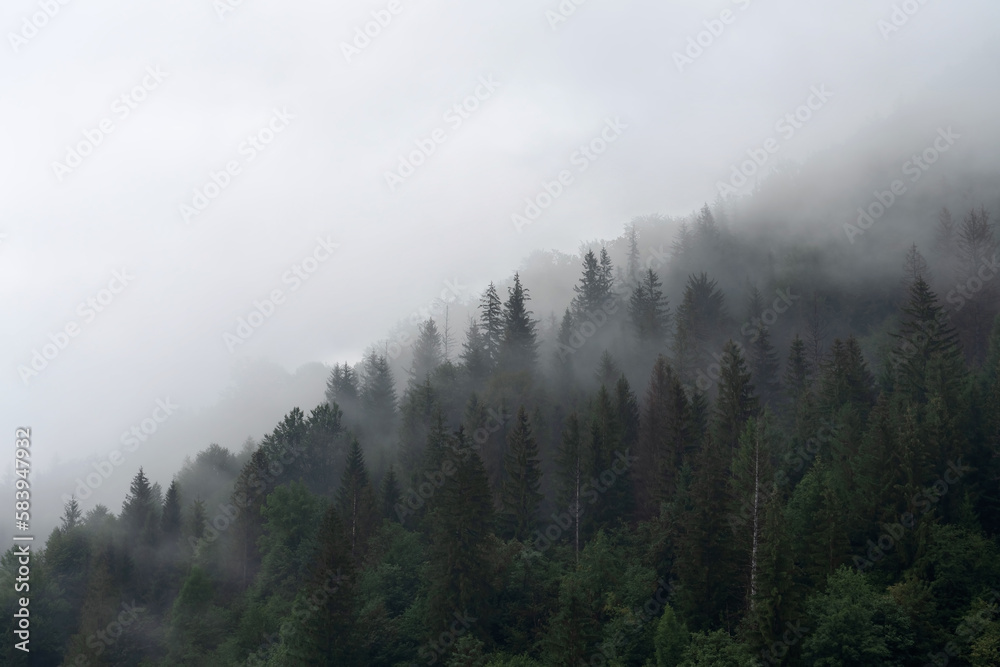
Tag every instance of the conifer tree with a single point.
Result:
(461, 521)
(519, 346)
(475, 356)
(138, 512)
(701, 315)
(649, 311)
(170, 520)
(594, 286)
(378, 395)
(356, 500)
(737, 401)
(632, 262)
(572, 470)
(520, 496)
(342, 388)
(391, 495)
(427, 354)
(492, 323)
(663, 436)
(325, 631)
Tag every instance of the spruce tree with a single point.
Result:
(649, 312)
(572, 465)
(663, 436)
(475, 356)
(461, 521)
(520, 496)
(391, 495)
(519, 348)
(701, 315)
(325, 628)
(342, 388)
(356, 500)
(427, 354)
(737, 401)
(170, 520)
(492, 323)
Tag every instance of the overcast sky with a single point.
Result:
(183, 86)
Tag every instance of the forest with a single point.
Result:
(734, 450)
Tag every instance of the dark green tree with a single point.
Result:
(520, 496)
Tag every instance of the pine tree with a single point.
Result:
(925, 334)
(607, 370)
(607, 281)
(138, 511)
(326, 629)
(342, 387)
(737, 401)
(595, 285)
(475, 355)
(170, 520)
(356, 500)
(492, 323)
(391, 495)
(663, 435)
(707, 231)
(798, 371)
(571, 461)
(701, 315)
(461, 519)
(519, 350)
(977, 247)
(649, 312)
(427, 354)
(914, 268)
(565, 350)
(378, 395)
(632, 263)
(764, 366)
(71, 514)
(520, 496)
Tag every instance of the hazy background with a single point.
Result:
(162, 336)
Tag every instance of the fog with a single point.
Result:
(306, 208)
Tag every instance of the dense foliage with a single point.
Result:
(800, 472)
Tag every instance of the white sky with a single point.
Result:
(323, 175)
